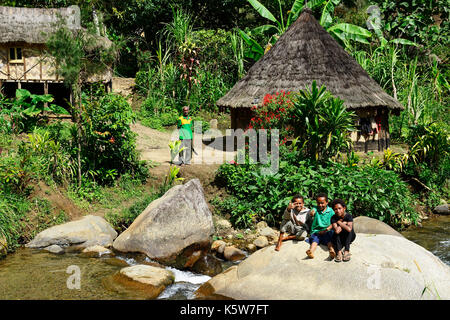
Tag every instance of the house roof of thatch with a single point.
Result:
(34, 25)
(307, 52)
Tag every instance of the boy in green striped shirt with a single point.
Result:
(184, 125)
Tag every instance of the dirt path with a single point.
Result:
(154, 145)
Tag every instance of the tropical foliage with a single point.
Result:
(264, 197)
(191, 54)
(343, 32)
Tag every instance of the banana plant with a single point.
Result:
(343, 32)
(277, 28)
(175, 149)
(170, 179)
(322, 123)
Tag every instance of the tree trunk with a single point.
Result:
(76, 117)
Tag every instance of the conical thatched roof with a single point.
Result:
(307, 52)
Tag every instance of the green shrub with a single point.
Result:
(154, 123)
(169, 118)
(12, 210)
(109, 149)
(368, 191)
(26, 110)
(241, 212)
(18, 169)
(122, 220)
(21, 218)
(322, 123)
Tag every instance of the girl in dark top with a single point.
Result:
(344, 234)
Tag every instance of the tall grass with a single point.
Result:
(417, 83)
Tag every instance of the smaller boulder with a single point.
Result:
(54, 249)
(233, 254)
(223, 224)
(261, 242)
(269, 233)
(222, 247)
(442, 209)
(261, 225)
(251, 247)
(148, 279)
(208, 265)
(95, 251)
(193, 258)
(368, 225)
(88, 231)
(216, 245)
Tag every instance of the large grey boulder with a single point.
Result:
(381, 267)
(170, 224)
(364, 224)
(86, 232)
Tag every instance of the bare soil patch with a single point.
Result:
(59, 201)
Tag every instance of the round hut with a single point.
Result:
(304, 53)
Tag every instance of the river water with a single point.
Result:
(434, 235)
(37, 274)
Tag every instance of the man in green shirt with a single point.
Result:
(321, 228)
(184, 125)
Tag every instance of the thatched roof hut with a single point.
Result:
(306, 52)
(33, 25)
(23, 60)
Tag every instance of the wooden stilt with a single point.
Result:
(46, 92)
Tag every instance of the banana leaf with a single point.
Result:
(256, 51)
(326, 17)
(264, 28)
(297, 8)
(346, 31)
(262, 10)
(404, 41)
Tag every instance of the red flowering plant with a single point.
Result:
(274, 113)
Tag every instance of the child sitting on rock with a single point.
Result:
(344, 234)
(296, 221)
(321, 228)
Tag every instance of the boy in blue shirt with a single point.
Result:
(321, 228)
